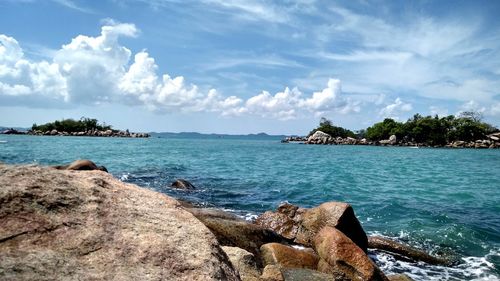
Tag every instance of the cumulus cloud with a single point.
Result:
(94, 70)
(395, 108)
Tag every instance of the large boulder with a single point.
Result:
(288, 257)
(67, 225)
(319, 137)
(302, 225)
(340, 256)
(182, 184)
(244, 262)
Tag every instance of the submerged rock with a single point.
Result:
(391, 246)
(182, 184)
(82, 165)
(62, 225)
(340, 256)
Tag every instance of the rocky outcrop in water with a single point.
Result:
(86, 225)
(91, 133)
(182, 184)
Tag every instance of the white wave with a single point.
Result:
(124, 177)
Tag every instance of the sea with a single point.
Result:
(444, 201)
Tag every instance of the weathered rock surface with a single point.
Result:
(182, 184)
(303, 274)
(73, 225)
(236, 232)
(82, 165)
(339, 254)
(302, 225)
(272, 273)
(288, 257)
(244, 262)
(388, 245)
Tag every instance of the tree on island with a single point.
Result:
(326, 126)
(71, 125)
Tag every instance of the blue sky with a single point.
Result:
(246, 66)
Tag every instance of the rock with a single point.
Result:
(54, 132)
(392, 139)
(303, 274)
(288, 257)
(272, 273)
(182, 184)
(239, 233)
(335, 214)
(338, 253)
(62, 225)
(399, 277)
(282, 221)
(317, 137)
(82, 165)
(244, 262)
(388, 245)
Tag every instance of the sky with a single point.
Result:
(246, 66)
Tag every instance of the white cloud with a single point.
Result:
(393, 110)
(94, 70)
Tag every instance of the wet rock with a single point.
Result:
(288, 257)
(335, 214)
(82, 165)
(303, 274)
(62, 225)
(182, 184)
(388, 245)
(338, 253)
(244, 262)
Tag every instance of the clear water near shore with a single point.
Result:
(441, 200)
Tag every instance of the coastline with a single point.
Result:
(267, 241)
(88, 133)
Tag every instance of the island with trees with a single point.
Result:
(465, 130)
(83, 127)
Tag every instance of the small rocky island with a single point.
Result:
(88, 127)
(77, 222)
(465, 131)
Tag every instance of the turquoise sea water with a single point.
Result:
(441, 200)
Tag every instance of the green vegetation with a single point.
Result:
(429, 130)
(326, 126)
(71, 125)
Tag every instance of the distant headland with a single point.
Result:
(464, 131)
(89, 127)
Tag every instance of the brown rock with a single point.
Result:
(338, 253)
(82, 165)
(244, 262)
(182, 184)
(335, 214)
(388, 245)
(239, 233)
(62, 225)
(288, 257)
(272, 273)
(399, 277)
(279, 222)
(303, 274)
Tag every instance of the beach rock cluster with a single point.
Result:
(12, 131)
(319, 137)
(91, 133)
(78, 222)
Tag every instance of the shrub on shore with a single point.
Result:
(71, 125)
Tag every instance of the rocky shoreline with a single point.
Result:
(319, 137)
(88, 133)
(78, 222)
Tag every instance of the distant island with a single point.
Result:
(69, 127)
(466, 130)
